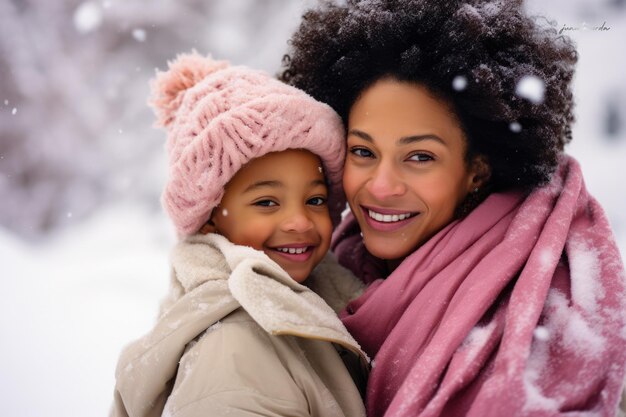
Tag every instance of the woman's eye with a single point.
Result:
(265, 203)
(316, 201)
(361, 152)
(421, 157)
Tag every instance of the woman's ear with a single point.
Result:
(480, 172)
(209, 226)
(477, 186)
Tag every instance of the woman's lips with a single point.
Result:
(387, 220)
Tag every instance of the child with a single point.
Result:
(239, 335)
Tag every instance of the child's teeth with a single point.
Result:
(293, 250)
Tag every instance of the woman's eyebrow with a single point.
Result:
(361, 134)
(260, 184)
(418, 138)
(402, 141)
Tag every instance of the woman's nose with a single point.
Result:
(297, 221)
(385, 183)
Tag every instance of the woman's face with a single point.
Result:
(405, 170)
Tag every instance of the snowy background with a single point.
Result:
(83, 240)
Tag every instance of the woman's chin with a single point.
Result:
(386, 249)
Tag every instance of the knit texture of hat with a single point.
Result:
(218, 117)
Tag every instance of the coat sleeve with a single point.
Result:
(240, 403)
(232, 370)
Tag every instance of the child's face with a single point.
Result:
(277, 204)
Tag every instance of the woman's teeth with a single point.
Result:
(293, 250)
(388, 218)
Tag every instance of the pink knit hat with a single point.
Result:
(218, 117)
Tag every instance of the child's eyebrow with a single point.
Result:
(277, 184)
(259, 184)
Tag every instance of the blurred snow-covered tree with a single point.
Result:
(75, 131)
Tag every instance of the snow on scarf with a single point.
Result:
(517, 310)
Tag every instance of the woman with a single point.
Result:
(495, 285)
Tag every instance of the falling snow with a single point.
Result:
(531, 88)
(139, 35)
(515, 127)
(542, 333)
(459, 83)
(87, 17)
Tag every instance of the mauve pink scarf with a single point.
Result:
(517, 310)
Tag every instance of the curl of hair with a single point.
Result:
(342, 48)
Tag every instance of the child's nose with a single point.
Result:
(297, 221)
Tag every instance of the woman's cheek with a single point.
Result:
(351, 179)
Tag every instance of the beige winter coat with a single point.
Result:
(239, 337)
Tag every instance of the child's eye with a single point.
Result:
(265, 203)
(316, 201)
(361, 152)
(421, 157)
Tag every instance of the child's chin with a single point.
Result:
(299, 275)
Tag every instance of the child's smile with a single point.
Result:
(297, 253)
(278, 204)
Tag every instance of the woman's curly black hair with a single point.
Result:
(342, 48)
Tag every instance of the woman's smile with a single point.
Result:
(387, 220)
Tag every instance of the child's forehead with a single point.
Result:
(288, 159)
(292, 167)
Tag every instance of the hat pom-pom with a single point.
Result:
(168, 87)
